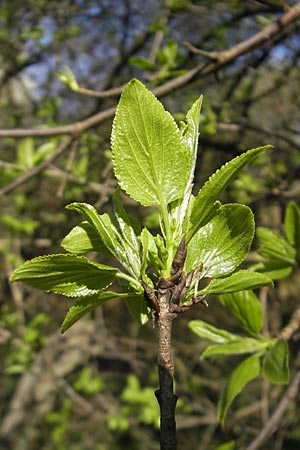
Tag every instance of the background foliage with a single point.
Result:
(91, 387)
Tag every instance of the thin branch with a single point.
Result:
(222, 59)
(255, 41)
(292, 327)
(275, 419)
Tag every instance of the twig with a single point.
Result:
(293, 326)
(277, 415)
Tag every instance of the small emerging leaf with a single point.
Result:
(247, 309)
(245, 372)
(275, 367)
(70, 275)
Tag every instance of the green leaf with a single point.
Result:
(190, 133)
(207, 331)
(238, 281)
(67, 77)
(275, 366)
(151, 159)
(292, 227)
(222, 244)
(70, 275)
(137, 307)
(273, 269)
(273, 246)
(85, 305)
(247, 309)
(84, 238)
(128, 228)
(226, 446)
(292, 223)
(142, 63)
(243, 374)
(203, 205)
(149, 252)
(237, 347)
(25, 153)
(109, 229)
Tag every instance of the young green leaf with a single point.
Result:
(243, 374)
(151, 159)
(238, 347)
(85, 305)
(207, 331)
(247, 309)
(238, 281)
(84, 238)
(275, 366)
(149, 252)
(70, 275)
(222, 244)
(292, 227)
(227, 446)
(273, 269)
(138, 309)
(203, 204)
(273, 246)
(112, 237)
(190, 134)
(292, 224)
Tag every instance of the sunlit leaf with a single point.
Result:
(238, 281)
(203, 205)
(112, 237)
(222, 244)
(151, 159)
(69, 275)
(84, 238)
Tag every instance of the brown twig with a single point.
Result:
(277, 415)
(293, 326)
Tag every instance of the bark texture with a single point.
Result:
(165, 394)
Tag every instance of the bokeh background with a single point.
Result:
(93, 388)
